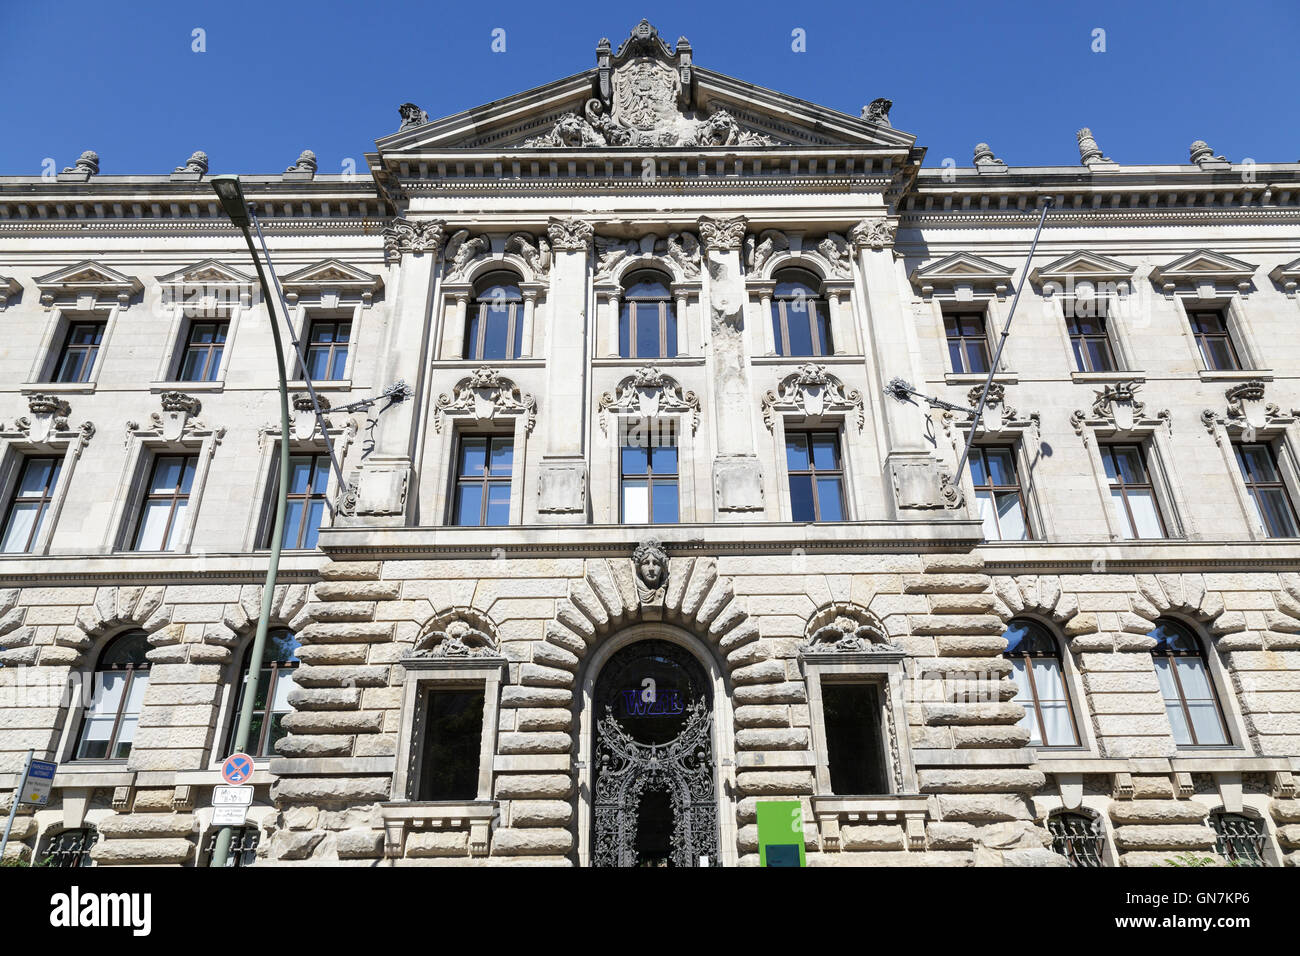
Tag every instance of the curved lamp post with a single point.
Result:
(231, 195)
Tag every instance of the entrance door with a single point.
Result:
(655, 795)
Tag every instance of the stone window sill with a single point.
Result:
(965, 378)
(1235, 375)
(1118, 375)
(156, 387)
(58, 388)
(909, 810)
(403, 816)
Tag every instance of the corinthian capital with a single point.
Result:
(724, 235)
(876, 233)
(421, 235)
(570, 235)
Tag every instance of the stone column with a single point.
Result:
(530, 293)
(562, 477)
(381, 492)
(913, 473)
(462, 309)
(737, 477)
(683, 344)
(611, 318)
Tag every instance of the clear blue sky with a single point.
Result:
(278, 77)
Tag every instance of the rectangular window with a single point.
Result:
(30, 504)
(1259, 469)
(650, 480)
(1210, 329)
(1132, 493)
(203, 348)
(1091, 343)
(453, 735)
(854, 738)
(968, 342)
(647, 329)
(483, 469)
(1190, 701)
(309, 477)
(998, 491)
(816, 475)
(80, 349)
(327, 349)
(166, 501)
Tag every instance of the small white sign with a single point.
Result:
(229, 816)
(232, 796)
(36, 786)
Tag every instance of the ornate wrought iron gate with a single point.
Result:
(654, 736)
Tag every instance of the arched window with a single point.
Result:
(1035, 656)
(647, 322)
(800, 321)
(1077, 837)
(272, 701)
(1239, 839)
(1187, 686)
(495, 329)
(108, 727)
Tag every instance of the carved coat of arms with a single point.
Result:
(645, 95)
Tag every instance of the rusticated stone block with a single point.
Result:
(330, 792)
(337, 654)
(980, 779)
(540, 813)
(350, 571)
(975, 712)
(773, 739)
(358, 844)
(759, 715)
(774, 782)
(315, 745)
(513, 786)
(534, 743)
(145, 852)
(325, 698)
(789, 692)
(1007, 735)
(515, 696)
(333, 722)
(531, 841)
(1157, 811)
(944, 583)
(984, 807)
(315, 675)
(347, 632)
(296, 844)
(872, 838)
(357, 590)
(127, 825)
(434, 843)
(1175, 838)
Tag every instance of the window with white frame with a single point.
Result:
(326, 347)
(1187, 685)
(271, 705)
(1039, 675)
(648, 475)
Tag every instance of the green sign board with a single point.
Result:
(780, 833)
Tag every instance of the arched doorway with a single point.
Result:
(654, 786)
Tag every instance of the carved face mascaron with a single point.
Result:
(651, 563)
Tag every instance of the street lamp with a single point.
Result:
(231, 195)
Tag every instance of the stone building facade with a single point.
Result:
(663, 522)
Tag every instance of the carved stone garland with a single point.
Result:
(811, 391)
(485, 394)
(647, 393)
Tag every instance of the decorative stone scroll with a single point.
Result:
(406, 235)
(47, 421)
(486, 394)
(458, 632)
(1117, 407)
(724, 235)
(844, 627)
(644, 96)
(647, 393)
(682, 249)
(570, 235)
(811, 391)
(998, 416)
(1247, 411)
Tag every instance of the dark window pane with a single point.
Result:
(498, 508)
(801, 342)
(496, 342)
(663, 459)
(635, 460)
(801, 498)
(796, 452)
(473, 453)
(647, 331)
(829, 499)
(469, 504)
(453, 733)
(826, 452)
(854, 741)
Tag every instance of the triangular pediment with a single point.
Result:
(644, 96)
(1204, 264)
(88, 277)
(209, 272)
(959, 268)
(1082, 265)
(1287, 276)
(332, 273)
